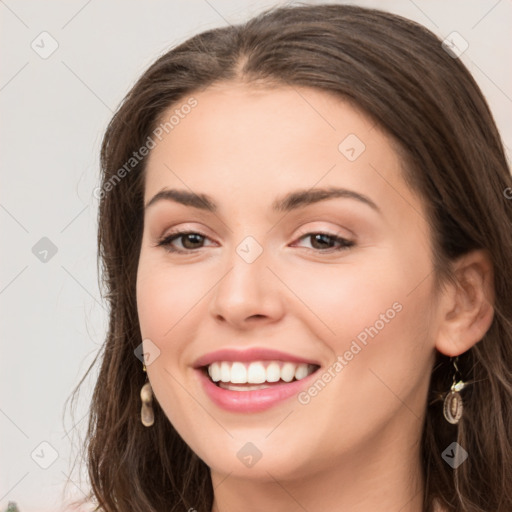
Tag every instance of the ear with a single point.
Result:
(466, 308)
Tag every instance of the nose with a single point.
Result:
(248, 293)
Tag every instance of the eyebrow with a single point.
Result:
(291, 201)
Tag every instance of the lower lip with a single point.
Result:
(252, 401)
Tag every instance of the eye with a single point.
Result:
(322, 241)
(190, 240)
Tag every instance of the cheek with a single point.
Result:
(381, 333)
(376, 315)
(345, 300)
(166, 295)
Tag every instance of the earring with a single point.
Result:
(147, 416)
(452, 408)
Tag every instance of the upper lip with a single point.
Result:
(252, 354)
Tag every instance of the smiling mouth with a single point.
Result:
(249, 376)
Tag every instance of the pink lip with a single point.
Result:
(252, 401)
(252, 354)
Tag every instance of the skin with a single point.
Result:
(355, 445)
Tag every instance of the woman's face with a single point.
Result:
(342, 284)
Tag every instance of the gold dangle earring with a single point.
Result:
(453, 401)
(147, 416)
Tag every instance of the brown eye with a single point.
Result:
(324, 242)
(190, 240)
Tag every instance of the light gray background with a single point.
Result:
(53, 114)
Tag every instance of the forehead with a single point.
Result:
(240, 115)
(248, 142)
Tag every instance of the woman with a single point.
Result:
(305, 236)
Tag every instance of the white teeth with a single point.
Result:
(214, 372)
(257, 372)
(238, 373)
(273, 372)
(288, 372)
(301, 372)
(225, 372)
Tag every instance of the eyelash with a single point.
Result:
(167, 240)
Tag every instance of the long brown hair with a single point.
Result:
(397, 72)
